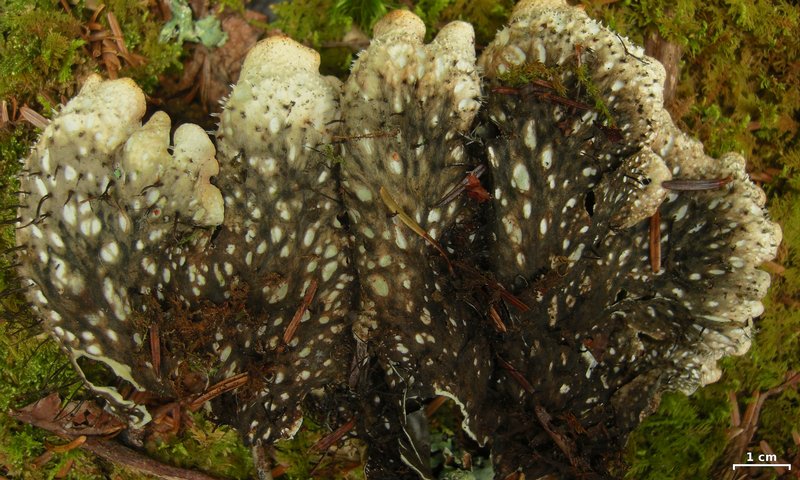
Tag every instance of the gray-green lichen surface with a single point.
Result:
(544, 313)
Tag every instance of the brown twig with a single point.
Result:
(684, 185)
(516, 375)
(542, 93)
(226, 385)
(764, 446)
(655, 242)
(354, 44)
(155, 348)
(107, 449)
(564, 443)
(669, 54)
(395, 209)
(75, 443)
(774, 268)
(742, 437)
(4, 118)
(332, 438)
(736, 417)
(291, 329)
(496, 320)
(435, 404)
(378, 134)
(464, 185)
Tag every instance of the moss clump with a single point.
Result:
(593, 92)
(14, 143)
(521, 75)
(34, 366)
(486, 16)
(431, 12)
(315, 23)
(141, 29)
(681, 440)
(363, 13)
(44, 49)
(39, 44)
(217, 450)
(298, 460)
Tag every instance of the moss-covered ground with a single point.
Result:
(738, 90)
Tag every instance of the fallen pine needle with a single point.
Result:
(298, 315)
(411, 223)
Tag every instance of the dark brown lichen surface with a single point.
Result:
(313, 250)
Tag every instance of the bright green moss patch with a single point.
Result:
(141, 30)
(34, 366)
(14, 144)
(520, 75)
(299, 460)
(431, 11)
(315, 23)
(682, 440)
(363, 13)
(217, 450)
(39, 45)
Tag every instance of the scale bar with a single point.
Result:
(774, 465)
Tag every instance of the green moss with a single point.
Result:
(43, 51)
(142, 38)
(682, 440)
(525, 73)
(302, 462)
(315, 22)
(39, 45)
(14, 144)
(217, 450)
(237, 6)
(593, 92)
(430, 11)
(363, 13)
(34, 366)
(486, 16)
(520, 75)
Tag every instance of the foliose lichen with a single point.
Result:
(354, 288)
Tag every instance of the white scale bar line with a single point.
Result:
(787, 465)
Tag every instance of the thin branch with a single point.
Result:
(108, 449)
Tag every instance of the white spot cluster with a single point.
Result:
(589, 205)
(405, 106)
(99, 194)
